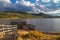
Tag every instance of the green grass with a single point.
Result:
(17, 15)
(24, 15)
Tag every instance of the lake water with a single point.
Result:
(42, 24)
(45, 24)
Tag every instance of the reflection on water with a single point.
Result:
(42, 24)
(45, 24)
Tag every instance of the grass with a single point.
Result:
(17, 15)
(35, 35)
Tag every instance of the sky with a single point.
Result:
(34, 6)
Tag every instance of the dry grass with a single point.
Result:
(35, 35)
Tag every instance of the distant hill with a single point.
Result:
(19, 14)
(43, 15)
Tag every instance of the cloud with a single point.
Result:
(54, 12)
(6, 1)
(46, 0)
(37, 0)
(56, 1)
(26, 3)
(42, 6)
(17, 2)
(31, 7)
(6, 5)
(22, 5)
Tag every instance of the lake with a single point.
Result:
(45, 24)
(42, 24)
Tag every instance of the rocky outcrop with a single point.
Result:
(24, 25)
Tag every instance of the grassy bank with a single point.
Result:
(35, 35)
(17, 15)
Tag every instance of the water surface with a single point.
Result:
(45, 24)
(42, 24)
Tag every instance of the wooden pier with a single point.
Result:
(7, 32)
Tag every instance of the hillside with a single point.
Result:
(18, 14)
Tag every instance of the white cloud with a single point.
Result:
(7, 1)
(36, 3)
(56, 11)
(56, 1)
(42, 6)
(33, 4)
(17, 2)
(26, 3)
(46, 0)
(37, 0)
(36, 10)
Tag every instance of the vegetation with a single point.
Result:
(35, 35)
(18, 14)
